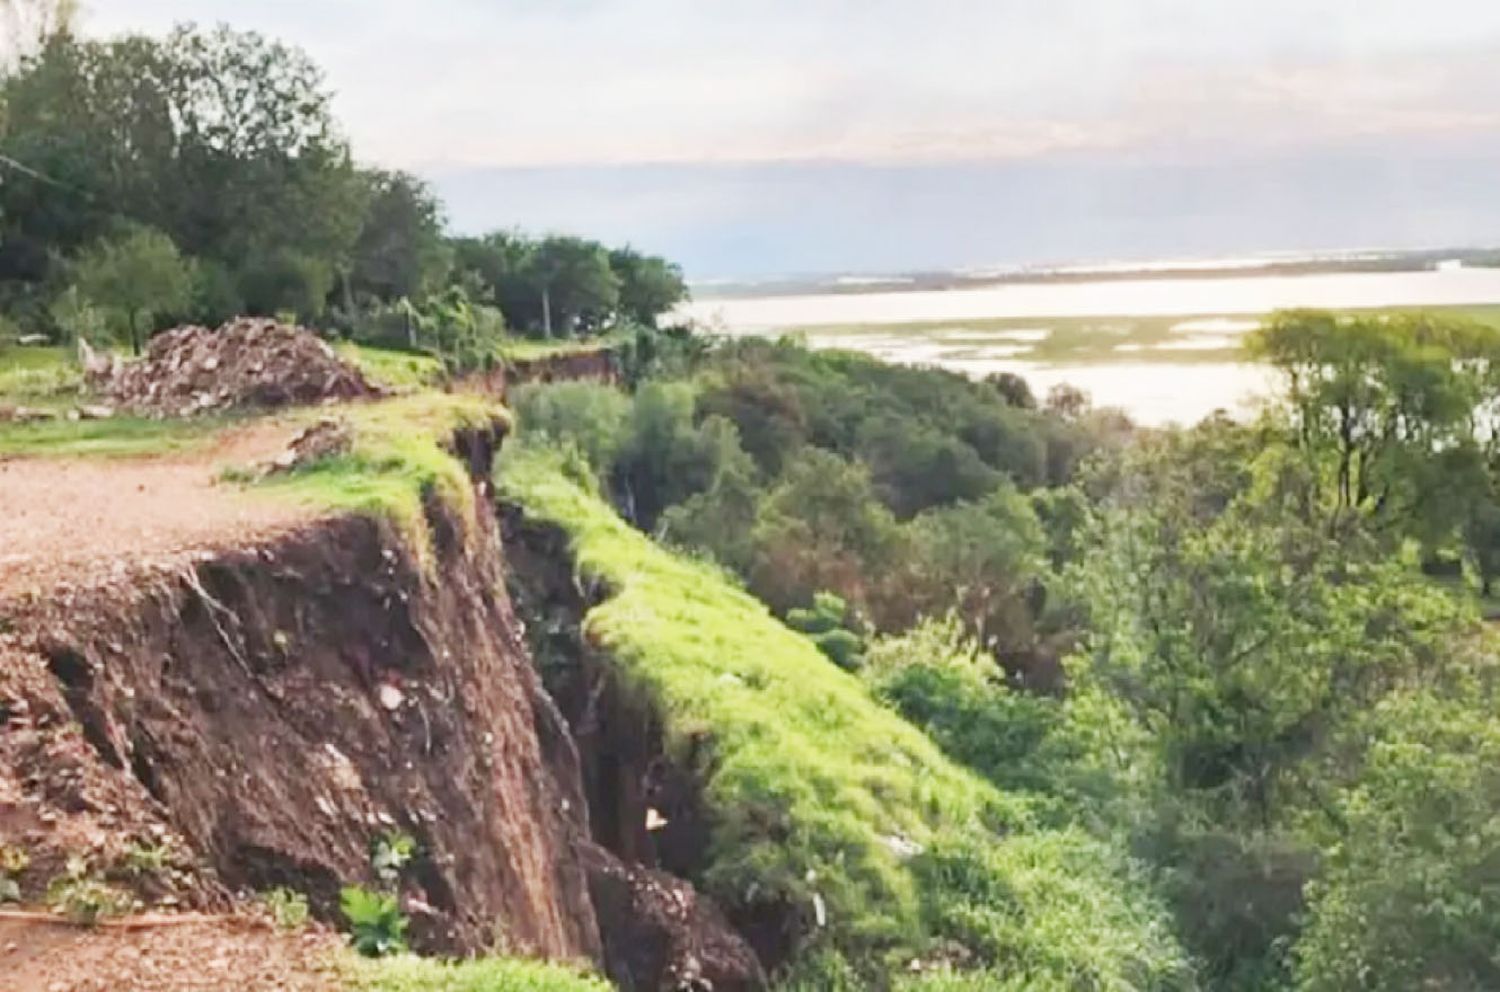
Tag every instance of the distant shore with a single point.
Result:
(1373, 261)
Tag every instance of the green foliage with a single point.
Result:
(390, 854)
(827, 624)
(590, 417)
(83, 897)
(288, 908)
(649, 286)
(13, 861)
(400, 252)
(138, 275)
(937, 677)
(1411, 895)
(377, 926)
(819, 796)
(405, 973)
(220, 140)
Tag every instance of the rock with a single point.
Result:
(246, 364)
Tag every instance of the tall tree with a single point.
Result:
(649, 286)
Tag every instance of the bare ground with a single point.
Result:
(73, 519)
(207, 955)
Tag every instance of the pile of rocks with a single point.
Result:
(246, 364)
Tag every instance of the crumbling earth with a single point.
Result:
(247, 364)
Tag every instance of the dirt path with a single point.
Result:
(69, 519)
(208, 956)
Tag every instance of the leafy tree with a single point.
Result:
(578, 289)
(982, 558)
(821, 528)
(139, 275)
(400, 251)
(590, 417)
(666, 457)
(649, 286)
(1411, 895)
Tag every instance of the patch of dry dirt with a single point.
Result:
(77, 518)
(209, 955)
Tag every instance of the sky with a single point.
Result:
(762, 137)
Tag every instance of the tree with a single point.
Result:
(139, 275)
(1385, 406)
(400, 250)
(222, 140)
(30, 24)
(649, 286)
(1410, 898)
(578, 289)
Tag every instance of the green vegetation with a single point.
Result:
(288, 909)
(396, 459)
(150, 181)
(377, 926)
(1182, 339)
(399, 370)
(404, 973)
(825, 805)
(83, 897)
(116, 436)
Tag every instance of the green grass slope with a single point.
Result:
(830, 806)
(412, 974)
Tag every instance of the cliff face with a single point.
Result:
(278, 708)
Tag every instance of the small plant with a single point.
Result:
(288, 908)
(83, 898)
(147, 860)
(13, 861)
(392, 852)
(377, 926)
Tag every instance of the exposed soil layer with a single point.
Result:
(660, 934)
(206, 956)
(647, 817)
(75, 519)
(246, 364)
(280, 706)
(601, 365)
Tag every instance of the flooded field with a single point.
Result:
(1164, 350)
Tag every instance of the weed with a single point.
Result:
(142, 860)
(377, 926)
(83, 897)
(392, 852)
(288, 908)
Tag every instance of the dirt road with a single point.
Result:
(70, 519)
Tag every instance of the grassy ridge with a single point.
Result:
(830, 806)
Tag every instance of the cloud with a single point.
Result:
(532, 83)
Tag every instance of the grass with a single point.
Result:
(412, 974)
(115, 437)
(38, 377)
(1074, 340)
(402, 371)
(396, 460)
(531, 349)
(819, 795)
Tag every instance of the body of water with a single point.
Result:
(1154, 382)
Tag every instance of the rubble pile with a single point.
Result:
(246, 364)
